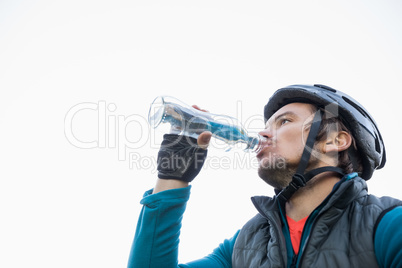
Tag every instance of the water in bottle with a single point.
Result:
(186, 120)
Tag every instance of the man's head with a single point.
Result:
(287, 132)
(344, 136)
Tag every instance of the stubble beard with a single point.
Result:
(277, 171)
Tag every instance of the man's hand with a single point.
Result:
(203, 139)
(180, 159)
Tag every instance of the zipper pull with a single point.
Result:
(294, 261)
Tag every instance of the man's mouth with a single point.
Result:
(265, 147)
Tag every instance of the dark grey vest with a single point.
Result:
(341, 235)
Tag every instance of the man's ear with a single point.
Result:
(337, 142)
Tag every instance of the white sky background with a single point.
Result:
(65, 206)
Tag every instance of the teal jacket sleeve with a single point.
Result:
(156, 240)
(221, 257)
(388, 239)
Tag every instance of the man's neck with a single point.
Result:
(308, 198)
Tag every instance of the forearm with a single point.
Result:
(156, 239)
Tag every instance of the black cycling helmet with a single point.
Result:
(369, 143)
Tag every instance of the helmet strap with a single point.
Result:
(300, 178)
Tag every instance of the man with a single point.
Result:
(321, 215)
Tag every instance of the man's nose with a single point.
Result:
(267, 133)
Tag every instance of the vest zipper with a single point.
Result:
(290, 253)
(314, 216)
(305, 236)
(294, 261)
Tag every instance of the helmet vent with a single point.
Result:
(357, 107)
(325, 87)
(377, 144)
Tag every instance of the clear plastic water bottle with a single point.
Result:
(186, 120)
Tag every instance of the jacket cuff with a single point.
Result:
(180, 195)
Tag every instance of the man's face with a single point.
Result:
(287, 131)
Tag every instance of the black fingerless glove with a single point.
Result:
(180, 158)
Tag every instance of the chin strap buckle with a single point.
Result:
(297, 182)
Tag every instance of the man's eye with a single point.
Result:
(284, 121)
